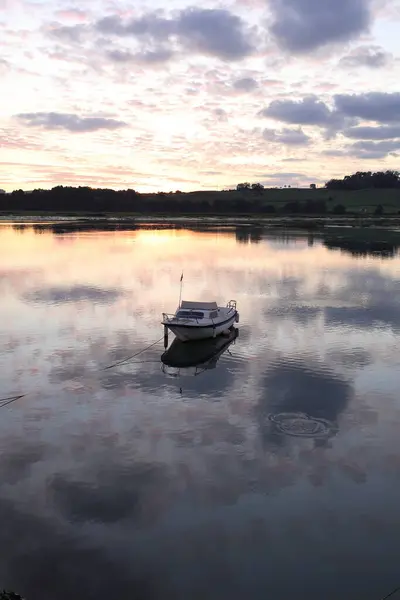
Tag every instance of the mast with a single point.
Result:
(180, 291)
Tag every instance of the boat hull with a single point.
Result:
(186, 333)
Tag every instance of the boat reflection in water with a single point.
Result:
(195, 357)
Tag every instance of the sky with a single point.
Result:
(157, 96)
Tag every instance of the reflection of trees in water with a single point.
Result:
(92, 224)
(249, 234)
(358, 248)
(300, 388)
(357, 241)
(365, 242)
(20, 228)
(76, 227)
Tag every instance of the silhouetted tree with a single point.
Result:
(292, 207)
(7, 595)
(243, 187)
(317, 207)
(269, 208)
(339, 209)
(363, 180)
(258, 188)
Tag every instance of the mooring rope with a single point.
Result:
(391, 593)
(125, 360)
(10, 399)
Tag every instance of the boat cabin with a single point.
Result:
(197, 310)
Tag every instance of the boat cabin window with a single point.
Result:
(190, 314)
(214, 314)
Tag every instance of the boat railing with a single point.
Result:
(231, 305)
(169, 317)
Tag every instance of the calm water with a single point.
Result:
(275, 474)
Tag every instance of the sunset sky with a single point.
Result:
(163, 96)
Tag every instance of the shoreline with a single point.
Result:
(301, 221)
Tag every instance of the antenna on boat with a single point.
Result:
(180, 292)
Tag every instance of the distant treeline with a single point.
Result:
(245, 199)
(101, 201)
(363, 180)
(71, 199)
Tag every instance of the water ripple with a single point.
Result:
(302, 425)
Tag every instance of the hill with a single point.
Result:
(361, 193)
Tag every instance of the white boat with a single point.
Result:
(201, 320)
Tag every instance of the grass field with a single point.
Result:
(359, 202)
(353, 200)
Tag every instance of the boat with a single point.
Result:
(196, 357)
(200, 320)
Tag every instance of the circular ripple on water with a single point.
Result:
(301, 425)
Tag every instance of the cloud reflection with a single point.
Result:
(115, 484)
(77, 293)
(112, 494)
(295, 386)
(56, 556)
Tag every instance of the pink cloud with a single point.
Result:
(73, 14)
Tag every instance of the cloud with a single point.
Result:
(301, 26)
(69, 122)
(246, 84)
(156, 56)
(214, 32)
(309, 111)
(282, 179)
(374, 150)
(372, 106)
(335, 153)
(347, 110)
(373, 57)
(72, 14)
(282, 175)
(365, 149)
(386, 132)
(289, 137)
(4, 66)
(70, 33)
(150, 25)
(121, 56)
(220, 114)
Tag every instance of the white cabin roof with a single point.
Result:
(198, 305)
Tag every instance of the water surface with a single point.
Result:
(271, 472)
